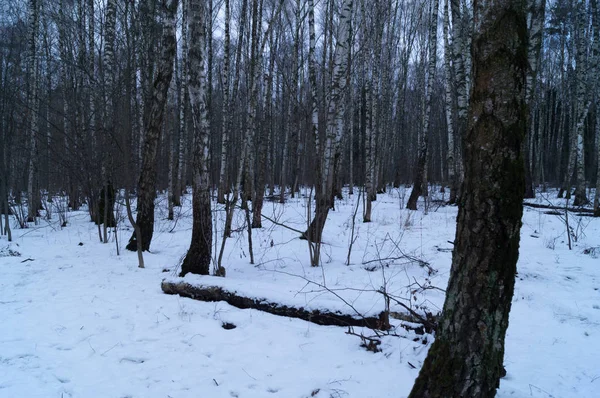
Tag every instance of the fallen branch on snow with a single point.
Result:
(582, 210)
(216, 293)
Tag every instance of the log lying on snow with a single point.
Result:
(216, 293)
(581, 210)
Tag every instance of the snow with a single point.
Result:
(80, 321)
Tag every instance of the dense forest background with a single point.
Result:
(94, 97)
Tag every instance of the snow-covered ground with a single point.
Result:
(77, 320)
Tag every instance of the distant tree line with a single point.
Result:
(97, 96)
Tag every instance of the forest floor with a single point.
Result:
(78, 320)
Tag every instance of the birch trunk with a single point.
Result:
(225, 109)
(466, 358)
(32, 104)
(421, 169)
(153, 125)
(264, 133)
(535, 17)
(198, 257)
(292, 116)
(335, 112)
(183, 106)
(450, 159)
(460, 44)
(94, 119)
(595, 60)
(583, 104)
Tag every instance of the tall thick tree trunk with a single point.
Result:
(153, 124)
(421, 169)
(466, 358)
(198, 257)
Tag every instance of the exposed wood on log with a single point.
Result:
(216, 293)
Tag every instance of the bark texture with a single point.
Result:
(466, 359)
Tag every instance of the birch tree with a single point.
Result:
(450, 87)
(595, 60)
(105, 214)
(535, 18)
(32, 104)
(153, 125)
(225, 109)
(183, 105)
(460, 48)
(466, 358)
(420, 181)
(198, 257)
(334, 120)
(582, 104)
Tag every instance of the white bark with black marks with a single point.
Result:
(198, 257)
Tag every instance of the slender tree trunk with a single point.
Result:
(466, 358)
(105, 213)
(292, 117)
(421, 169)
(264, 132)
(94, 111)
(583, 104)
(536, 10)
(597, 195)
(371, 60)
(183, 106)
(153, 125)
(351, 141)
(369, 152)
(460, 44)
(225, 108)
(451, 158)
(32, 104)
(198, 257)
(334, 127)
(171, 175)
(595, 60)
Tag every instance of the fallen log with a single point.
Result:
(327, 318)
(582, 211)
